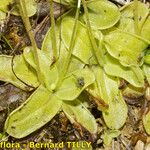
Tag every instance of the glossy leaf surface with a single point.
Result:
(7, 75)
(124, 47)
(127, 12)
(76, 112)
(24, 71)
(109, 135)
(31, 6)
(133, 75)
(146, 70)
(74, 84)
(38, 109)
(107, 87)
(102, 14)
(62, 51)
(146, 122)
(49, 73)
(82, 48)
(66, 2)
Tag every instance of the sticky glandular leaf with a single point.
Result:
(7, 75)
(24, 71)
(62, 52)
(145, 32)
(146, 122)
(74, 65)
(29, 57)
(109, 135)
(31, 6)
(124, 47)
(38, 109)
(127, 12)
(147, 59)
(133, 75)
(107, 87)
(74, 84)
(48, 71)
(82, 46)
(4, 5)
(2, 16)
(66, 2)
(133, 92)
(127, 44)
(75, 111)
(126, 22)
(102, 14)
(47, 42)
(146, 69)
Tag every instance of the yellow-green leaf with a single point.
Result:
(107, 87)
(62, 52)
(103, 14)
(133, 75)
(38, 109)
(31, 6)
(75, 111)
(82, 47)
(74, 84)
(24, 71)
(49, 72)
(7, 75)
(146, 69)
(66, 2)
(109, 135)
(146, 122)
(127, 12)
(124, 47)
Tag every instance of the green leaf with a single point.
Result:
(66, 2)
(145, 32)
(2, 16)
(124, 47)
(109, 135)
(4, 5)
(146, 70)
(128, 47)
(146, 122)
(102, 14)
(133, 75)
(75, 63)
(49, 72)
(29, 57)
(147, 59)
(133, 92)
(31, 6)
(82, 48)
(7, 75)
(74, 84)
(24, 71)
(127, 12)
(47, 42)
(38, 109)
(3, 137)
(75, 111)
(107, 87)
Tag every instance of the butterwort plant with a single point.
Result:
(55, 90)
